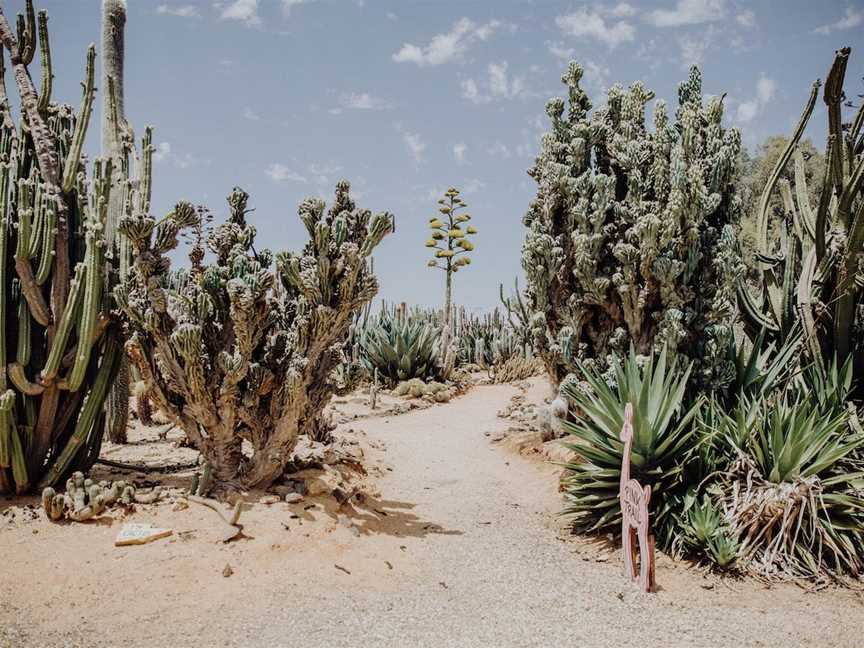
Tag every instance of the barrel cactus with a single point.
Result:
(629, 241)
(240, 355)
(58, 345)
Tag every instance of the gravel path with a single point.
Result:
(497, 573)
(463, 547)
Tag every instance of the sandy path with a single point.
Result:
(462, 548)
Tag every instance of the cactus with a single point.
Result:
(629, 241)
(450, 242)
(85, 499)
(58, 345)
(240, 352)
(114, 130)
(812, 278)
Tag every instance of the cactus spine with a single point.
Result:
(58, 346)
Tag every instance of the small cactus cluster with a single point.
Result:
(432, 391)
(450, 242)
(58, 344)
(85, 499)
(239, 352)
(629, 241)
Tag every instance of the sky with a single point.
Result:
(405, 98)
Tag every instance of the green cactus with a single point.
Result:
(85, 499)
(812, 280)
(450, 242)
(629, 239)
(239, 353)
(58, 345)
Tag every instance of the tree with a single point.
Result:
(450, 242)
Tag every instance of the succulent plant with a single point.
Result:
(629, 239)
(85, 499)
(58, 345)
(241, 353)
(451, 243)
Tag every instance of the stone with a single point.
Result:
(269, 499)
(319, 481)
(134, 533)
(293, 498)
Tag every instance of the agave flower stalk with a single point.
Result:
(451, 243)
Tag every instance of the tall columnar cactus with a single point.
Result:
(628, 240)
(812, 271)
(115, 144)
(242, 353)
(450, 242)
(58, 347)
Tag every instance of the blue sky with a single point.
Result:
(407, 97)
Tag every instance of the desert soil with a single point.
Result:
(458, 542)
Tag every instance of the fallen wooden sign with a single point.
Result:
(635, 522)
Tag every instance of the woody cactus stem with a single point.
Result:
(450, 243)
(116, 140)
(242, 352)
(58, 348)
(629, 239)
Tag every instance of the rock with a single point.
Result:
(134, 533)
(180, 505)
(269, 499)
(293, 498)
(321, 481)
(227, 571)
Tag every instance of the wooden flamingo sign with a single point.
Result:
(634, 512)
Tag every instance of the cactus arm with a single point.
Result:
(89, 412)
(29, 287)
(851, 191)
(805, 306)
(27, 33)
(762, 210)
(46, 253)
(73, 157)
(805, 211)
(847, 292)
(5, 170)
(824, 204)
(145, 188)
(47, 70)
(833, 97)
(751, 312)
(22, 384)
(22, 354)
(89, 310)
(71, 314)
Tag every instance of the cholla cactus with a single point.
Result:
(58, 347)
(240, 352)
(628, 240)
(450, 242)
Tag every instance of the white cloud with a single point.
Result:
(853, 18)
(392, 16)
(622, 10)
(473, 186)
(447, 47)
(747, 111)
(288, 5)
(246, 11)
(687, 12)
(746, 18)
(498, 85)
(584, 23)
(249, 114)
(280, 173)
(414, 144)
(363, 101)
(459, 151)
(692, 50)
(560, 50)
(182, 11)
(500, 150)
(162, 151)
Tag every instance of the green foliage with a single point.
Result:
(629, 240)
(663, 440)
(242, 352)
(58, 344)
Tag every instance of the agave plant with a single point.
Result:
(401, 347)
(794, 496)
(663, 437)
